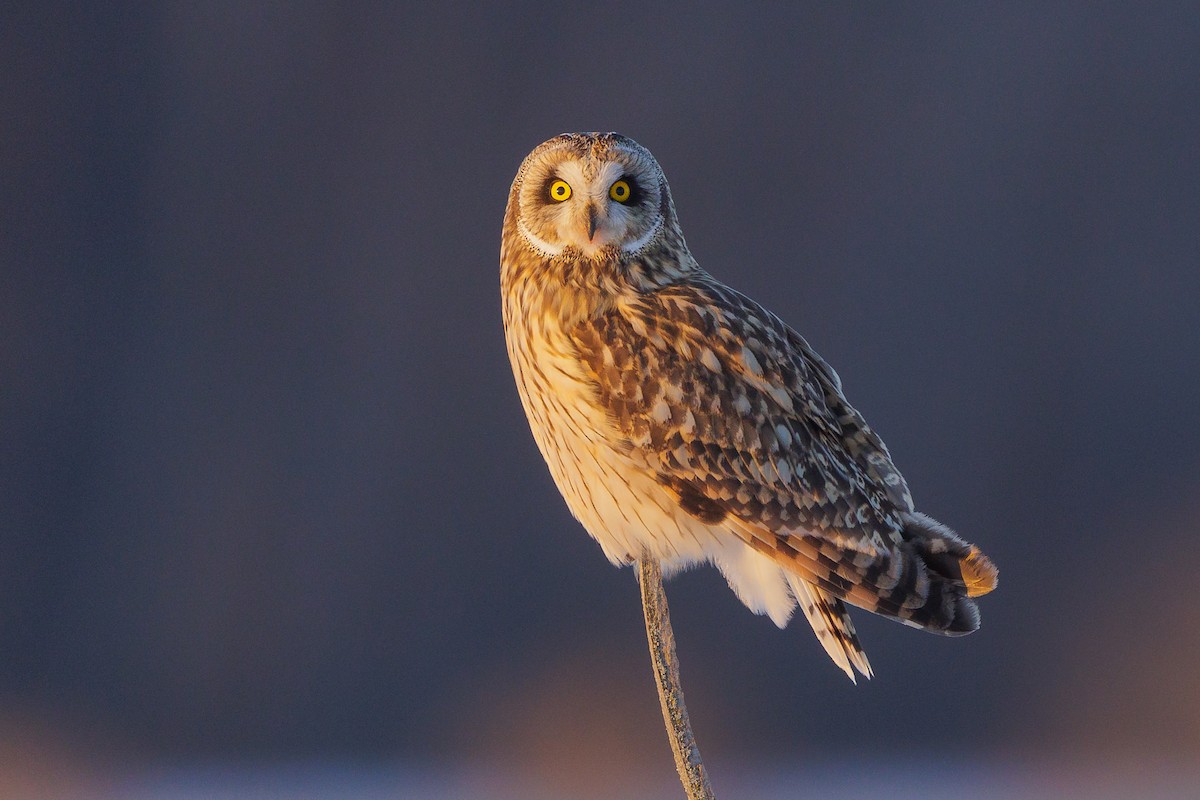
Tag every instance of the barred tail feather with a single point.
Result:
(927, 580)
(948, 555)
(832, 624)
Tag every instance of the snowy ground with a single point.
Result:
(828, 782)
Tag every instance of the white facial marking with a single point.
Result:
(571, 225)
(565, 224)
(537, 243)
(639, 243)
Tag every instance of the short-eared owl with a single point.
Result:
(682, 421)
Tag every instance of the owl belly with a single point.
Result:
(615, 498)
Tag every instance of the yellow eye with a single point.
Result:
(620, 192)
(559, 191)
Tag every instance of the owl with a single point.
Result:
(684, 422)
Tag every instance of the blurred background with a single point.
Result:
(271, 520)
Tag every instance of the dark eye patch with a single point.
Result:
(635, 191)
(547, 183)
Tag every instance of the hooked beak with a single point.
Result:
(591, 221)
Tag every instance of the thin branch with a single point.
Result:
(666, 675)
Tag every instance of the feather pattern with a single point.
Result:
(831, 622)
(684, 422)
(737, 415)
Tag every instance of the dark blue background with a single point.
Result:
(266, 489)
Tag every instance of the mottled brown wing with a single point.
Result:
(720, 396)
(737, 416)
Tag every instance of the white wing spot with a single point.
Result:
(780, 396)
(756, 474)
(709, 359)
(751, 362)
(770, 475)
(661, 412)
(784, 435)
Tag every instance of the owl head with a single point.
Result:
(597, 195)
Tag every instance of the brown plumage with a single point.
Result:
(682, 420)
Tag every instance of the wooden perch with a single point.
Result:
(665, 663)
